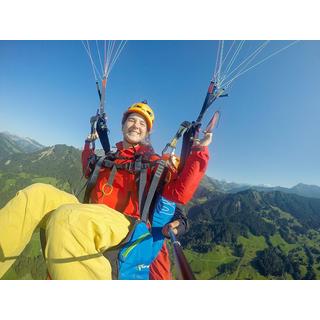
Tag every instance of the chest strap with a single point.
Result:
(130, 166)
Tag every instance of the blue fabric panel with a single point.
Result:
(136, 256)
(164, 211)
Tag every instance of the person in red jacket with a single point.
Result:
(78, 234)
(122, 192)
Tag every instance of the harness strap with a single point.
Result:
(112, 175)
(138, 164)
(130, 166)
(152, 190)
(105, 162)
(92, 180)
(142, 179)
(142, 186)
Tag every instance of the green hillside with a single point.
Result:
(255, 235)
(59, 165)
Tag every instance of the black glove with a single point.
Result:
(181, 218)
(101, 123)
(180, 215)
(103, 133)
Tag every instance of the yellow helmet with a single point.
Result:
(144, 110)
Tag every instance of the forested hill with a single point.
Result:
(59, 165)
(261, 234)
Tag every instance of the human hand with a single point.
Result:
(205, 141)
(92, 136)
(172, 225)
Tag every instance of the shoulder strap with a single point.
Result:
(92, 180)
(142, 171)
(142, 186)
(112, 175)
(152, 190)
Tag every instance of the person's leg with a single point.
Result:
(22, 214)
(77, 235)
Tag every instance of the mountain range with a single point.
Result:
(12, 144)
(235, 231)
(312, 191)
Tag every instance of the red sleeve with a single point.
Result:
(181, 188)
(86, 153)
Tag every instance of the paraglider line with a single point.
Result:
(97, 45)
(247, 61)
(258, 63)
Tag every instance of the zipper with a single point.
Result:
(140, 239)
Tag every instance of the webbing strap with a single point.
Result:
(142, 186)
(131, 166)
(92, 181)
(152, 190)
(112, 175)
(142, 179)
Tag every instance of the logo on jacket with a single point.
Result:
(140, 267)
(165, 206)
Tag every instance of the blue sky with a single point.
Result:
(269, 129)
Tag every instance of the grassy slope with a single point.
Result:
(205, 266)
(10, 186)
(30, 265)
(251, 246)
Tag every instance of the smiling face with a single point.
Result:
(134, 129)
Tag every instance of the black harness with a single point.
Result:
(139, 167)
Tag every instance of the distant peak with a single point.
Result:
(305, 185)
(13, 143)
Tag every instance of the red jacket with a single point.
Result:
(123, 196)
